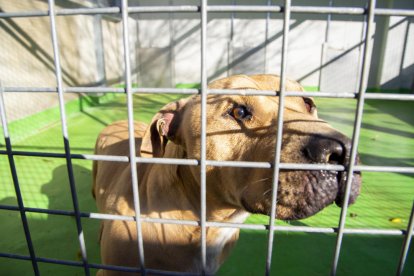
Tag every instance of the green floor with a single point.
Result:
(385, 202)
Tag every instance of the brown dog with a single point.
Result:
(238, 128)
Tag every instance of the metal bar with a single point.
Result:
(65, 134)
(406, 244)
(304, 229)
(363, 168)
(266, 165)
(243, 8)
(62, 12)
(116, 268)
(394, 12)
(328, 10)
(203, 176)
(211, 8)
(328, 25)
(278, 147)
(164, 9)
(266, 40)
(15, 256)
(244, 92)
(131, 136)
(357, 127)
(239, 164)
(215, 163)
(252, 92)
(187, 91)
(30, 89)
(23, 14)
(16, 184)
(93, 90)
(97, 266)
(168, 161)
(388, 232)
(192, 91)
(141, 90)
(389, 96)
(195, 162)
(112, 158)
(69, 213)
(88, 11)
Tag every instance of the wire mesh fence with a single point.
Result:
(203, 9)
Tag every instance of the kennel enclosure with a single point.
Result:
(121, 11)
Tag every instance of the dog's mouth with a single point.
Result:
(315, 191)
(355, 187)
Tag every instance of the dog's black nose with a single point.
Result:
(327, 150)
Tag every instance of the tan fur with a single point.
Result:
(172, 192)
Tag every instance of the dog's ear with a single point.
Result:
(163, 127)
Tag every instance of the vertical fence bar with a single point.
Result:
(266, 42)
(407, 242)
(69, 166)
(286, 22)
(357, 127)
(16, 184)
(131, 133)
(203, 134)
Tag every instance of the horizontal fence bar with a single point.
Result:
(168, 161)
(389, 96)
(246, 226)
(39, 259)
(97, 266)
(251, 92)
(24, 14)
(110, 158)
(328, 10)
(192, 91)
(92, 90)
(189, 91)
(394, 12)
(239, 164)
(245, 8)
(389, 169)
(243, 92)
(88, 11)
(164, 9)
(212, 8)
(30, 89)
(215, 163)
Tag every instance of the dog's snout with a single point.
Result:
(326, 150)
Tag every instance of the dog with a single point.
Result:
(239, 128)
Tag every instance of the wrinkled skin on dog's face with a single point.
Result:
(243, 128)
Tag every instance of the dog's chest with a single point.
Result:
(218, 238)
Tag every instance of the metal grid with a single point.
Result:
(203, 10)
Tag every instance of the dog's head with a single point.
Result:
(243, 128)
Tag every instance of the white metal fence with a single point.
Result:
(203, 9)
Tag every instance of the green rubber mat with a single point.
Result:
(385, 202)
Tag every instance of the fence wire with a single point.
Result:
(203, 9)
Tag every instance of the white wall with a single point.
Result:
(165, 48)
(164, 40)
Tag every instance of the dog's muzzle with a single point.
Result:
(335, 150)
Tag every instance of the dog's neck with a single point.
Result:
(166, 195)
(169, 192)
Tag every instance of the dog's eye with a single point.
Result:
(309, 104)
(241, 113)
